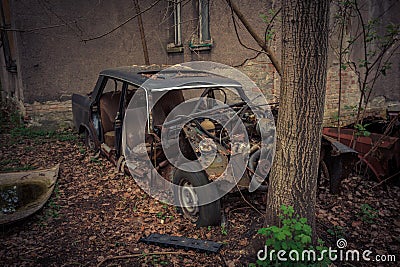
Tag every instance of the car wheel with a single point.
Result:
(187, 199)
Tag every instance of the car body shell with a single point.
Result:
(88, 112)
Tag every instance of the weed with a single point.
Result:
(82, 151)
(8, 161)
(224, 231)
(94, 160)
(21, 131)
(25, 167)
(66, 136)
(15, 118)
(52, 209)
(367, 214)
(161, 215)
(361, 130)
(335, 117)
(294, 235)
(30, 132)
(336, 231)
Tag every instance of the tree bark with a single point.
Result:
(293, 179)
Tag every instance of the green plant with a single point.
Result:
(335, 116)
(375, 42)
(161, 215)
(82, 151)
(52, 209)
(10, 115)
(367, 214)
(25, 167)
(295, 236)
(351, 109)
(28, 132)
(361, 130)
(269, 19)
(8, 161)
(224, 231)
(15, 118)
(66, 136)
(94, 159)
(336, 231)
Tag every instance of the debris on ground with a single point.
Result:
(97, 215)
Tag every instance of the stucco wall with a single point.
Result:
(54, 61)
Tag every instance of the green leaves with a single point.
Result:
(287, 210)
(367, 214)
(362, 130)
(294, 234)
(303, 220)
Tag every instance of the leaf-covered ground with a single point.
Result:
(96, 215)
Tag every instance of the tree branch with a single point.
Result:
(247, 59)
(257, 38)
(122, 24)
(238, 37)
(269, 26)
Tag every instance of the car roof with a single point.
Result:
(169, 79)
(131, 74)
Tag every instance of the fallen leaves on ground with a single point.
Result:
(97, 215)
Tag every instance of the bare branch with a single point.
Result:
(48, 9)
(257, 38)
(247, 59)
(238, 36)
(122, 24)
(36, 29)
(269, 26)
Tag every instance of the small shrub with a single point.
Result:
(224, 231)
(294, 235)
(367, 214)
(361, 130)
(337, 231)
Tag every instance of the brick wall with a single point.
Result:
(263, 74)
(350, 96)
(49, 114)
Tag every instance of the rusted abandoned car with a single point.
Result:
(120, 93)
(378, 145)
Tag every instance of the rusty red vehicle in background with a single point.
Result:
(378, 145)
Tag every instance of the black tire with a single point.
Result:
(205, 215)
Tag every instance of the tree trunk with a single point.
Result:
(293, 179)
